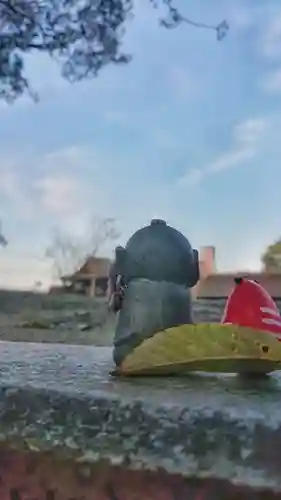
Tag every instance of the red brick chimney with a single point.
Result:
(207, 261)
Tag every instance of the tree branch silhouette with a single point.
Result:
(83, 36)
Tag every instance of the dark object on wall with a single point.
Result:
(157, 267)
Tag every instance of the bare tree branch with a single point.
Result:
(175, 18)
(68, 253)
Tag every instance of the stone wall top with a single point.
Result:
(55, 397)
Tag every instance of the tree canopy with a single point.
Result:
(271, 258)
(83, 36)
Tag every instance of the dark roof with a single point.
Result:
(97, 266)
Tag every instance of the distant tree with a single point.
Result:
(3, 241)
(37, 286)
(68, 253)
(271, 259)
(82, 36)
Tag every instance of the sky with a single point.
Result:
(189, 131)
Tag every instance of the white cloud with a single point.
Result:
(74, 157)
(58, 198)
(272, 83)
(61, 194)
(9, 183)
(58, 194)
(247, 136)
(229, 160)
(56, 189)
(57, 185)
(12, 190)
(250, 131)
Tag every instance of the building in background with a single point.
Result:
(215, 285)
(91, 279)
(207, 261)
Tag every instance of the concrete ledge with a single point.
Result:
(60, 399)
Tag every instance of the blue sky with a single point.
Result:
(189, 131)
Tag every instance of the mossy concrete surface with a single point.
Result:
(61, 398)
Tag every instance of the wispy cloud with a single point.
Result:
(58, 194)
(246, 138)
(9, 183)
(49, 186)
(75, 158)
(249, 132)
(62, 189)
(228, 160)
(12, 192)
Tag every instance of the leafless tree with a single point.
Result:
(68, 253)
(83, 36)
(3, 241)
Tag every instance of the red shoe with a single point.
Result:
(249, 304)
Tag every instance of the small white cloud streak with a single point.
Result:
(246, 137)
(229, 160)
(250, 131)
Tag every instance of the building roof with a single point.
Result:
(220, 284)
(97, 267)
